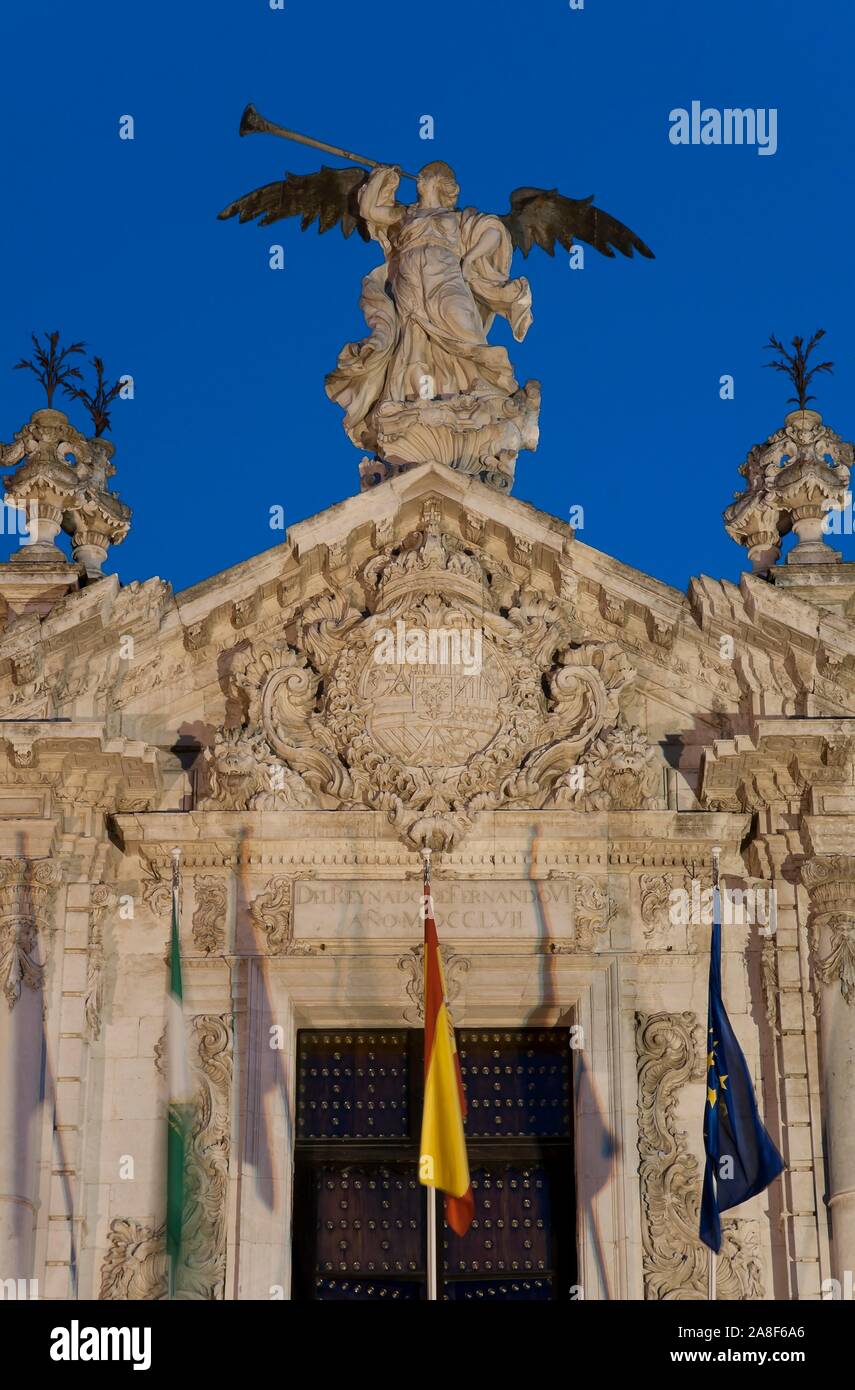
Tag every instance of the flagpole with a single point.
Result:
(431, 1191)
(733, 1129)
(179, 1088)
(172, 1259)
(716, 855)
(431, 1244)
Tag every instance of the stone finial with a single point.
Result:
(61, 484)
(43, 486)
(96, 519)
(795, 479)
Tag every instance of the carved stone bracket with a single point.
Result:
(27, 891)
(668, 1049)
(830, 881)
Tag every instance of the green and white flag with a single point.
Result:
(180, 1092)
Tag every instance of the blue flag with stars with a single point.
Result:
(741, 1158)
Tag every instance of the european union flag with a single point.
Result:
(741, 1158)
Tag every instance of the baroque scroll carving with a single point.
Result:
(668, 1049)
(655, 893)
(156, 887)
(273, 913)
(593, 909)
(135, 1264)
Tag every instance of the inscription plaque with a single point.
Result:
(377, 909)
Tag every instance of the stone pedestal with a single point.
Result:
(829, 585)
(35, 584)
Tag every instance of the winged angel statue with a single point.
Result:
(426, 384)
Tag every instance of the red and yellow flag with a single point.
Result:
(442, 1162)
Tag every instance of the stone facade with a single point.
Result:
(614, 732)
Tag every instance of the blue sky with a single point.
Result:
(117, 242)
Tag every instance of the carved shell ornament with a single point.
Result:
(451, 692)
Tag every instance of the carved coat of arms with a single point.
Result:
(451, 691)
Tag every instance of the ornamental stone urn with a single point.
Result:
(44, 484)
(795, 480)
(95, 518)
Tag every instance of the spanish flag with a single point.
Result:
(442, 1162)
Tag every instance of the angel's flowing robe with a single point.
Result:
(430, 317)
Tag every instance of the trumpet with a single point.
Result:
(253, 123)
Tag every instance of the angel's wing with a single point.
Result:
(331, 196)
(542, 216)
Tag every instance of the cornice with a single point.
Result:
(337, 843)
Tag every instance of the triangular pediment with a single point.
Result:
(601, 688)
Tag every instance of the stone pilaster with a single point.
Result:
(27, 891)
(830, 882)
